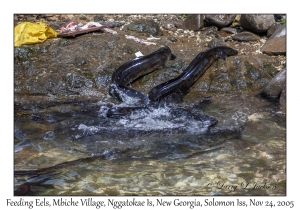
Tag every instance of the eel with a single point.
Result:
(177, 87)
(132, 70)
(191, 74)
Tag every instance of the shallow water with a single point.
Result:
(153, 152)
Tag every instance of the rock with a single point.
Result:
(170, 26)
(230, 30)
(246, 73)
(216, 43)
(279, 17)
(193, 22)
(245, 37)
(257, 23)
(108, 24)
(282, 100)
(236, 21)
(272, 29)
(75, 81)
(144, 26)
(210, 30)
(99, 18)
(280, 31)
(276, 44)
(276, 85)
(219, 20)
(172, 38)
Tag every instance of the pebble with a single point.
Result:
(232, 178)
(172, 38)
(245, 37)
(222, 156)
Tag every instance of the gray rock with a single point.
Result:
(272, 29)
(245, 37)
(172, 38)
(257, 23)
(282, 100)
(144, 26)
(216, 43)
(99, 18)
(280, 31)
(276, 44)
(219, 20)
(210, 30)
(246, 73)
(230, 30)
(279, 17)
(171, 26)
(276, 85)
(193, 22)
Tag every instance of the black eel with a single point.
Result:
(192, 73)
(178, 86)
(132, 70)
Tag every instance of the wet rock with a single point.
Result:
(219, 20)
(245, 37)
(276, 44)
(220, 87)
(250, 73)
(276, 85)
(80, 60)
(193, 22)
(144, 26)
(257, 23)
(50, 83)
(75, 81)
(18, 134)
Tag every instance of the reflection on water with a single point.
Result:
(162, 151)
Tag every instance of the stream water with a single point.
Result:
(153, 152)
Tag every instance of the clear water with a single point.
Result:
(153, 151)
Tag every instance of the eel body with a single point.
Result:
(192, 73)
(135, 68)
(177, 87)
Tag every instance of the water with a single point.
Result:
(158, 151)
